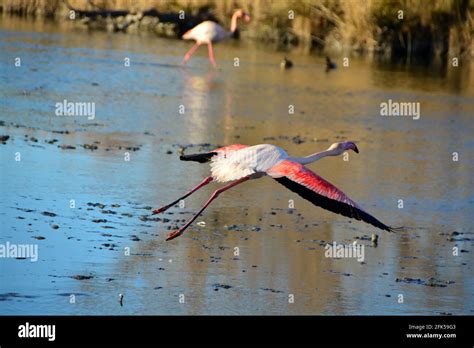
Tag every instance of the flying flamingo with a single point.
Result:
(239, 163)
(208, 32)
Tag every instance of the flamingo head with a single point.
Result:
(242, 14)
(341, 147)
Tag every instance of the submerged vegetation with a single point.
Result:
(394, 28)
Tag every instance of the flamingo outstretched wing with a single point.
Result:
(320, 192)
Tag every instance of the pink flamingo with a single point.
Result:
(239, 163)
(208, 32)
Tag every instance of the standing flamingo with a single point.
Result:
(208, 32)
(239, 163)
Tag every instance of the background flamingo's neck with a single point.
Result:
(316, 156)
(233, 23)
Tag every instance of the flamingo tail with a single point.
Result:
(199, 157)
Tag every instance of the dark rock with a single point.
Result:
(298, 140)
(91, 147)
(81, 277)
(100, 205)
(108, 212)
(67, 147)
(221, 286)
(272, 290)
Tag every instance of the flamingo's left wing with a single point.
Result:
(320, 192)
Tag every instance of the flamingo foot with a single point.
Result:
(174, 234)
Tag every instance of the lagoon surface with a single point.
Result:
(83, 189)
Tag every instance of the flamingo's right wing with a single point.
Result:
(320, 192)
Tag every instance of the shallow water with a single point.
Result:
(281, 250)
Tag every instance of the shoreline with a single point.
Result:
(369, 28)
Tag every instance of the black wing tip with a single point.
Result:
(199, 157)
(334, 206)
(396, 229)
(362, 215)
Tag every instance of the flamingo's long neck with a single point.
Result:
(233, 23)
(316, 156)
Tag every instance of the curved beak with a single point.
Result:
(356, 150)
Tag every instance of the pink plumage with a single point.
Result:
(230, 148)
(301, 175)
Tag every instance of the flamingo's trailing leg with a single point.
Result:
(216, 194)
(190, 53)
(166, 207)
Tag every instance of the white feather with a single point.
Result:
(244, 162)
(206, 32)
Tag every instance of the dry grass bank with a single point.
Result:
(428, 27)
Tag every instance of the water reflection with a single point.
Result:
(446, 75)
